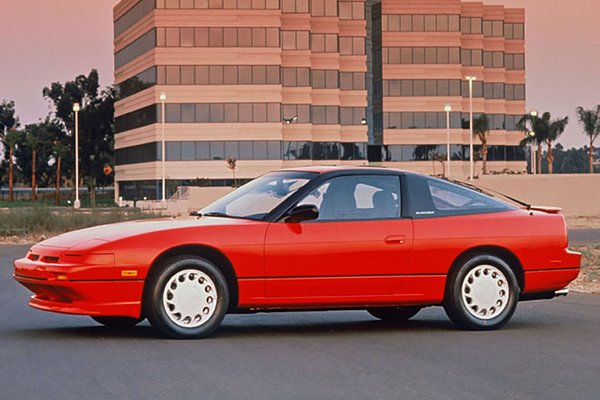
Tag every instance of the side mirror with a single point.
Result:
(307, 212)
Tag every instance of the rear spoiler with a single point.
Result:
(547, 210)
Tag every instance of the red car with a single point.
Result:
(384, 240)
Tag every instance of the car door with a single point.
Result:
(354, 253)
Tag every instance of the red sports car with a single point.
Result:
(384, 240)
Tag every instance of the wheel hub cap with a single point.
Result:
(485, 292)
(190, 298)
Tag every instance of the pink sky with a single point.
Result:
(55, 40)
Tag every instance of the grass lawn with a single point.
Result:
(31, 224)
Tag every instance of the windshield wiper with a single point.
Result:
(490, 192)
(216, 214)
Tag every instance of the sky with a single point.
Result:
(44, 41)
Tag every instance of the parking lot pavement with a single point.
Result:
(550, 350)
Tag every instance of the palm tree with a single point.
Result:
(33, 142)
(481, 128)
(539, 126)
(556, 128)
(59, 151)
(232, 164)
(590, 120)
(11, 139)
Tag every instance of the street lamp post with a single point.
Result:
(448, 109)
(533, 151)
(471, 163)
(76, 108)
(163, 98)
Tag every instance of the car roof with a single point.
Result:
(350, 169)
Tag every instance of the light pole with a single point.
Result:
(448, 109)
(533, 151)
(76, 108)
(471, 164)
(163, 98)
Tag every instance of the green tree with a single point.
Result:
(96, 124)
(590, 121)
(481, 128)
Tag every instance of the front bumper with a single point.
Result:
(54, 291)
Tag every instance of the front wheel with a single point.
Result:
(481, 294)
(186, 298)
(394, 314)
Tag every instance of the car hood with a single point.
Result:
(91, 237)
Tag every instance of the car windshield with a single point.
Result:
(260, 196)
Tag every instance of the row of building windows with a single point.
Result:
(345, 9)
(452, 87)
(241, 75)
(492, 28)
(218, 4)
(437, 120)
(259, 37)
(440, 152)
(420, 23)
(299, 150)
(217, 37)
(241, 113)
(453, 55)
(240, 150)
(451, 23)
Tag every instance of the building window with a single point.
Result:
(137, 83)
(351, 10)
(471, 26)
(133, 15)
(323, 8)
(140, 46)
(514, 31)
(324, 43)
(295, 40)
(295, 6)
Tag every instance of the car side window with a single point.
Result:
(434, 197)
(360, 197)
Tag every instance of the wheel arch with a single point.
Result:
(503, 253)
(213, 255)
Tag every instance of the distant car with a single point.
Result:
(384, 240)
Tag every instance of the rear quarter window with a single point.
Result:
(431, 197)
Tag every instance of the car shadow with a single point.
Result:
(264, 325)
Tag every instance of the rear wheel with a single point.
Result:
(481, 294)
(118, 322)
(187, 298)
(394, 314)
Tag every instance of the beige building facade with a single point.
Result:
(283, 83)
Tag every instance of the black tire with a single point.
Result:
(193, 269)
(470, 316)
(118, 322)
(394, 314)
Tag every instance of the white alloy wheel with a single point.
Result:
(485, 292)
(190, 298)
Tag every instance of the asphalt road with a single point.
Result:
(550, 350)
(584, 236)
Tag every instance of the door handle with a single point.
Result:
(395, 239)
